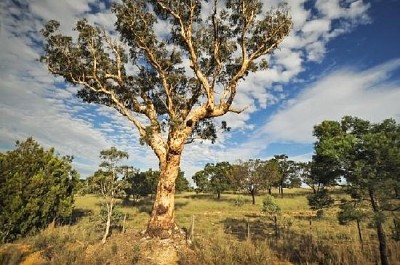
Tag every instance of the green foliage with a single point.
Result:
(270, 207)
(321, 199)
(349, 212)
(289, 172)
(222, 46)
(367, 155)
(143, 183)
(142, 74)
(200, 178)
(107, 182)
(181, 182)
(214, 178)
(36, 188)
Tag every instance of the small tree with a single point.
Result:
(169, 85)
(287, 168)
(37, 187)
(257, 175)
(320, 200)
(218, 175)
(271, 209)
(106, 183)
(351, 212)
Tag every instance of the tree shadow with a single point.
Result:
(243, 229)
(145, 205)
(301, 249)
(200, 196)
(77, 214)
(298, 248)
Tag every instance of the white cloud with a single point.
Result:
(366, 94)
(30, 105)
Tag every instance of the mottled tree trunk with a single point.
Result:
(162, 220)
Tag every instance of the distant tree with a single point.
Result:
(201, 180)
(128, 175)
(367, 155)
(106, 182)
(320, 200)
(144, 183)
(259, 175)
(214, 178)
(170, 85)
(295, 175)
(37, 188)
(272, 171)
(239, 174)
(287, 169)
(255, 179)
(182, 184)
(307, 177)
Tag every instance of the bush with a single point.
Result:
(36, 188)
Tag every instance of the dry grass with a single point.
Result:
(223, 234)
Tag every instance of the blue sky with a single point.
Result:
(341, 58)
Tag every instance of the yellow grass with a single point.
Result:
(223, 232)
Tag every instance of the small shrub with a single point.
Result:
(239, 201)
(320, 214)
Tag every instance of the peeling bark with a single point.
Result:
(162, 220)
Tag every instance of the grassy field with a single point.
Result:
(223, 233)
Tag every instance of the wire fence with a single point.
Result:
(272, 229)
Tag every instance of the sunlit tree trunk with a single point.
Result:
(110, 207)
(162, 220)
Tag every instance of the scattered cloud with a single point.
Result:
(367, 94)
(33, 103)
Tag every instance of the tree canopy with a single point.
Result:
(367, 155)
(169, 84)
(37, 187)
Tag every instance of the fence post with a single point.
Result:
(123, 224)
(192, 229)
(248, 229)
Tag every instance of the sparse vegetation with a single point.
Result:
(223, 234)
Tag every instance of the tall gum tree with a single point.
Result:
(169, 84)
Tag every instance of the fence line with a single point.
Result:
(247, 229)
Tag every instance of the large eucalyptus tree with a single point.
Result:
(170, 85)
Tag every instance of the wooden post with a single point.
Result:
(192, 229)
(248, 229)
(276, 226)
(123, 224)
